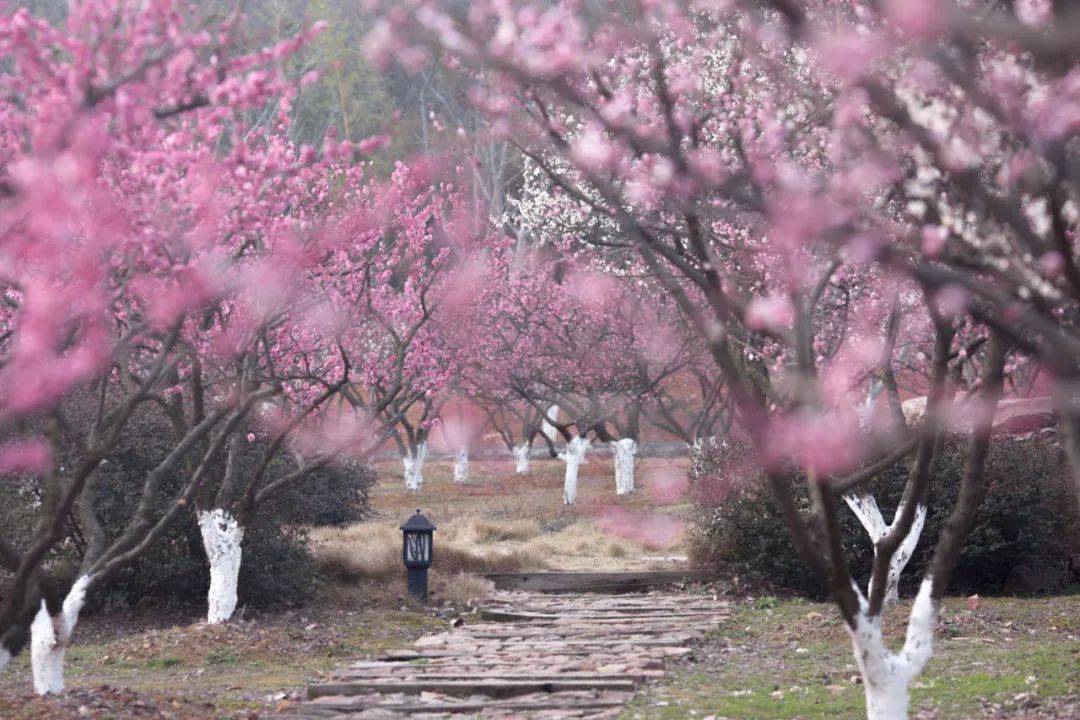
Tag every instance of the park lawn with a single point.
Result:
(172, 662)
(255, 663)
(1011, 657)
(499, 521)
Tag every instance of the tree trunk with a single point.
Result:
(461, 465)
(902, 555)
(887, 697)
(414, 467)
(623, 452)
(521, 458)
(5, 658)
(49, 639)
(866, 509)
(887, 676)
(550, 417)
(698, 446)
(222, 539)
(573, 457)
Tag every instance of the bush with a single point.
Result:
(277, 564)
(1024, 536)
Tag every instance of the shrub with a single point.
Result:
(277, 564)
(1021, 540)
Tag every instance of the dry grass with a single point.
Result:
(368, 550)
(460, 588)
(485, 530)
(501, 522)
(372, 550)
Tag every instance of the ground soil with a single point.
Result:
(777, 658)
(1006, 658)
(166, 663)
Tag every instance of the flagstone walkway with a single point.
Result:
(528, 656)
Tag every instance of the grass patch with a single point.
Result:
(500, 521)
(792, 660)
(222, 656)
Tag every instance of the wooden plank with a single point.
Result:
(557, 647)
(581, 632)
(630, 600)
(488, 663)
(568, 705)
(510, 652)
(500, 688)
(597, 617)
(593, 581)
(508, 674)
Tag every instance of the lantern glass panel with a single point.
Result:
(418, 547)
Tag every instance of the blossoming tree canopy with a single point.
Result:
(401, 304)
(788, 171)
(164, 251)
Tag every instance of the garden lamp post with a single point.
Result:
(416, 551)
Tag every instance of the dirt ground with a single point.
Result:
(1007, 658)
(169, 664)
(499, 521)
(1015, 658)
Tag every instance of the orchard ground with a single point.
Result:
(776, 658)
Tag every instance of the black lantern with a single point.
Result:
(416, 552)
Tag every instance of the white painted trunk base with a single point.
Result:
(521, 459)
(902, 555)
(49, 639)
(699, 445)
(551, 416)
(414, 468)
(573, 457)
(886, 675)
(866, 509)
(887, 698)
(461, 465)
(222, 539)
(5, 658)
(623, 452)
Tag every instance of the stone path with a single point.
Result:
(528, 656)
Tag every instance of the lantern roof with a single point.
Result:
(417, 523)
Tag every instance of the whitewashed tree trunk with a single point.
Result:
(903, 554)
(5, 658)
(699, 445)
(551, 416)
(866, 509)
(573, 457)
(222, 539)
(521, 459)
(414, 467)
(49, 639)
(886, 675)
(461, 465)
(623, 452)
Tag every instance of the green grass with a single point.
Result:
(793, 660)
(163, 663)
(238, 665)
(221, 656)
